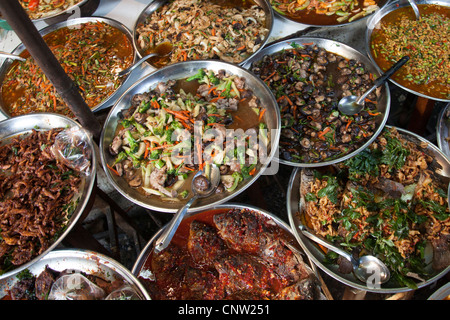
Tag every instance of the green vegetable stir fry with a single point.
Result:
(180, 127)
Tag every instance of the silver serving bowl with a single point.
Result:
(384, 102)
(373, 23)
(139, 268)
(319, 23)
(442, 293)
(50, 16)
(177, 71)
(45, 121)
(86, 261)
(107, 101)
(156, 4)
(316, 254)
(443, 130)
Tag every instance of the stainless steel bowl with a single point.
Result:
(330, 26)
(51, 16)
(89, 262)
(139, 268)
(156, 4)
(176, 71)
(317, 255)
(384, 102)
(443, 130)
(45, 121)
(70, 23)
(373, 23)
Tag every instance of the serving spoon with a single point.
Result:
(351, 105)
(213, 179)
(11, 56)
(415, 8)
(162, 49)
(368, 269)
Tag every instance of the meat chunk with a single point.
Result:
(306, 289)
(204, 245)
(44, 282)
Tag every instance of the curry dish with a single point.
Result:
(91, 54)
(424, 41)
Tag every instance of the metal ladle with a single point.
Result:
(366, 268)
(351, 105)
(160, 50)
(212, 173)
(11, 56)
(415, 8)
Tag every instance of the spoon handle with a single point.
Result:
(326, 244)
(379, 81)
(11, 56)
(163, 241)
(132, 67)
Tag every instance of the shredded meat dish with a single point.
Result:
(234, 254)
(387, 201)
(199, 29)
(36, 195)
(308, 83)
(38, 9)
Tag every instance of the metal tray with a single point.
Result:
(86, 261)
(374, 21)
(182, 70)
(317, 255)
(156, 4)
(68, 23)
(148, 249)
(46, 121)
(346, 51)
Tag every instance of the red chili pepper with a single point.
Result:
(33, 4)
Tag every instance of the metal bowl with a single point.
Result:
(176, 71)
(373, 23)
(53, 16)
(139, 268)
(383, 105)
(89, 262)
(317, 255)
(443, 130)
(45, 121)
(442, 293)
(315, 19)
(156, 4)
(69, 23)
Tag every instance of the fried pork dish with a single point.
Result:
(37, 197)
(204, 29)
(180, 127)
(308, 83)
(91, 54)
(387, 201)
(237, 254)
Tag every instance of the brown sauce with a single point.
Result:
(428, 71)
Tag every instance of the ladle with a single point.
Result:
(163, 49)
(212, 174)
(415, 8)
(368, 269)
(11, 56)
(351, 105)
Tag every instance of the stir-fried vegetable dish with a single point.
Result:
(324, 12)
(425, 41)
(200, 29)
(38, 9)
(180, 127)
(91, 54)
(308, 83)
(387, 201)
